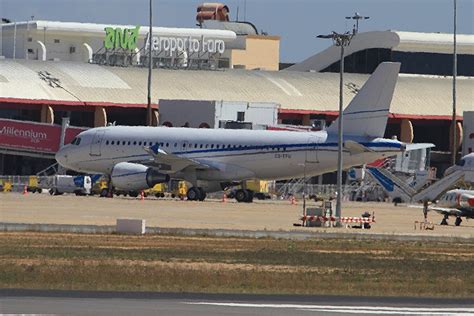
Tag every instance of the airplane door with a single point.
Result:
(312, 150)
(97, 143)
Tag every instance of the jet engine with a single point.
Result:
(136, 177)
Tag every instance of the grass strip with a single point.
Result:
(235, 265)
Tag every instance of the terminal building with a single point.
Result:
(96, 75)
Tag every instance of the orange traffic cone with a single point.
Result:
(142, 196)
(25, 190)
(224, 198)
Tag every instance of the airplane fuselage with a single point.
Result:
(233, 154)
(462, 200)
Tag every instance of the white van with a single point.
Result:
(59, 184)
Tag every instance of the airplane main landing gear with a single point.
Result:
(445, 220)
(242, 195)
(458, 221)
(196, 194)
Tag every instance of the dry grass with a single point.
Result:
(235, 265)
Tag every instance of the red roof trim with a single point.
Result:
(391, 115)
(74, 103)
(155, 105)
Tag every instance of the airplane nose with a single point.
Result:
(61, 157)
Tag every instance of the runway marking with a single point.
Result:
(386, 310)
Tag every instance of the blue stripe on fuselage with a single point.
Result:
(294, 148)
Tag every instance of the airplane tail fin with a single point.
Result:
(367, 113)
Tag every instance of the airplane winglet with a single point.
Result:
(155, 148)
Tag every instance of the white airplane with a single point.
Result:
(459, 203)
(136, 158)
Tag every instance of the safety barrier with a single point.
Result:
(363, 221)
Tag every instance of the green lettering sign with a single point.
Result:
(118, 38)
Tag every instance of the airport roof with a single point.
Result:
(78, 28)
(395, 40)
(73, 83)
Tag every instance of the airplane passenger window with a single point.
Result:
(195, 145)
(107, 142)
(123, 142)
(162, 144)
(112, 142)
(78, 141)
(207, 145)
(175, 144)
(128, 143)
(184, 145)
(200, 146)
(135, 142)
(167, 144)
(217, 146)
(139, 143)
(212, 146)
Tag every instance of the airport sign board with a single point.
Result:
(118, 38)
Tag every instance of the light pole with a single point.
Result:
(148, 108)
(340, 40)
(357, 17)
(454, 149)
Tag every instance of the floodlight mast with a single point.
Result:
(148, 108)
(340, 40)
(454, 149)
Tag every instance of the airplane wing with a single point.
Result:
(446, 211)
(170, 163)
(355, 148)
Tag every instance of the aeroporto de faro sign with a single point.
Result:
(186, 44)
(118, 38)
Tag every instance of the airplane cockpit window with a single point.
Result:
(76, 141)
(461, 162)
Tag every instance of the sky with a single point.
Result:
(296, 21)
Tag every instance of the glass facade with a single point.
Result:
(365, 62)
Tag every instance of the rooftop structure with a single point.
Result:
(419, 53)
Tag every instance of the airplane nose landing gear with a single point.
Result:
(458, 221)
(445, 220)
